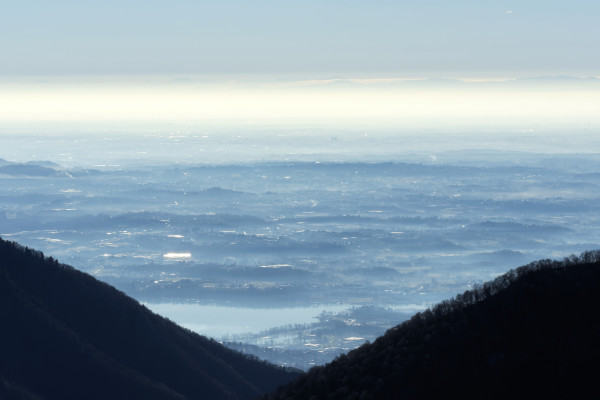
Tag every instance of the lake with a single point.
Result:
(218, 321)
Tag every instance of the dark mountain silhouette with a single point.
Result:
(66, 335)
(531, 333)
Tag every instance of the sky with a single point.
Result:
(184, 60)
(411, 38)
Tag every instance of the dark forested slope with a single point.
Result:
(533, 332)
(65, 335)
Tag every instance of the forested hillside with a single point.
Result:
(531, 333)
(66, 335)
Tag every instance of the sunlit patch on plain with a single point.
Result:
(175, 256)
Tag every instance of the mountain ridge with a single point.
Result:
(68, 335)
(533, 331)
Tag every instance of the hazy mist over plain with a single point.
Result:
(208, 119)
(364, 159)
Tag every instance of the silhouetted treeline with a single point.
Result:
(533, 332)
(66, 335)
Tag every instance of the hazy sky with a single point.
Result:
(184, 61)
(325, 37)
